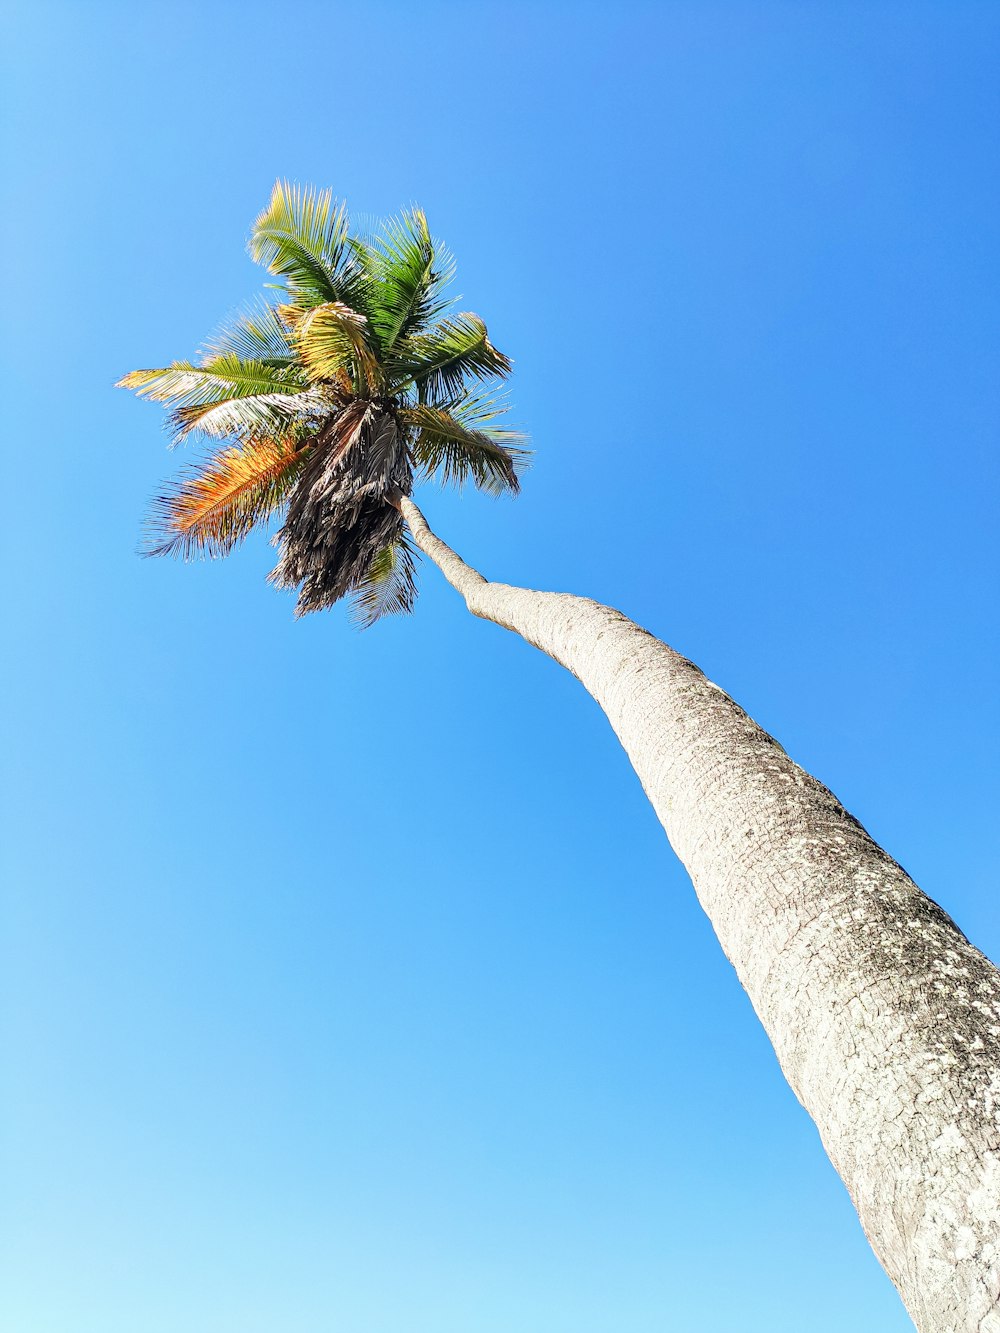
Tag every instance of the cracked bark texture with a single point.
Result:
(884, 1018)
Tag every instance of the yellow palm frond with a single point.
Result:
(333, 340)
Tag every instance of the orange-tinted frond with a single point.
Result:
(212, 509)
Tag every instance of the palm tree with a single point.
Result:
(329, 404)
(885, 1019)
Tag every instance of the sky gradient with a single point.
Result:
(349, 982)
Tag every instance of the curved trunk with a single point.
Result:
(884, 1018)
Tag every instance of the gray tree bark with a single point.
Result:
(884, 1018)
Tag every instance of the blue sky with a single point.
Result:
(349, 984)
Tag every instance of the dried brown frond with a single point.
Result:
(338, 519)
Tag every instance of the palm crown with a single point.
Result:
(331, 402)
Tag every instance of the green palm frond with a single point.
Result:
(227, 395)
(454, 450)
(409, 272)
(257, 334)
(302, 237)
(442, 361)
(389, 586)
(217, 378)
(480, 411)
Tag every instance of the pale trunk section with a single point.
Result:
(885, 1019)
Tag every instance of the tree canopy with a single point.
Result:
(351, 382)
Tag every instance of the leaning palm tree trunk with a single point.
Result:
(884, 1018)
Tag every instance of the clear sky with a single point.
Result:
(349, 983)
